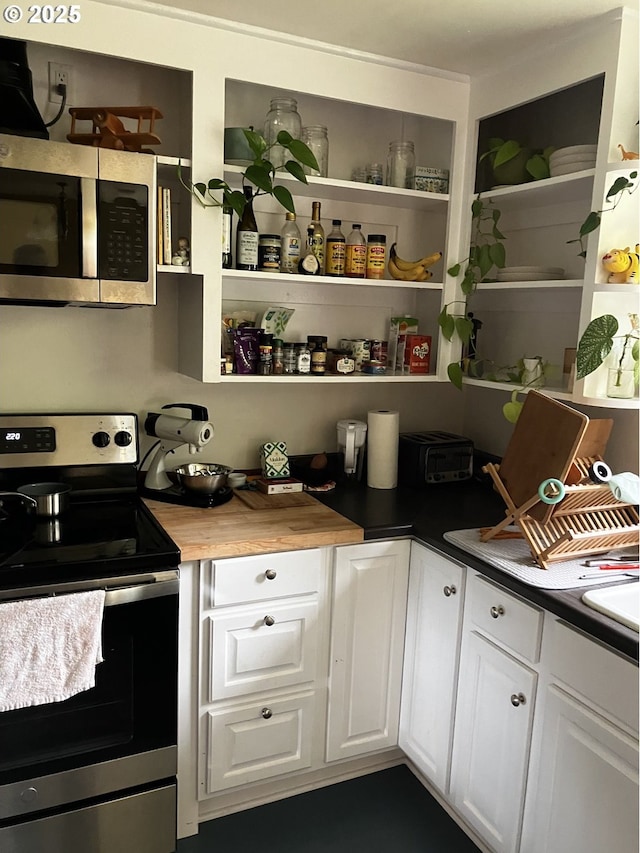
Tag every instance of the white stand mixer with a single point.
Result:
(174, 432)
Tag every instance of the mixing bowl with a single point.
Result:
(204, 477)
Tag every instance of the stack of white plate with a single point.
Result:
(530, 273)
(576, 158)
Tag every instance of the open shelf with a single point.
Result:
(258, 278)
(565, 188)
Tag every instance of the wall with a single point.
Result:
(83, 359)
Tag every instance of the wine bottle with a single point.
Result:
(309, 263)
(227, 257)
(356, 256)
(335, 250)
(318, 236)
(247, 236)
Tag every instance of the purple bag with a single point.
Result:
(246, 350)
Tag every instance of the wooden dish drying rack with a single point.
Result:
(553, 445)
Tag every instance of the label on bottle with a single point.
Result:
(336, 256)
(290, 253)
(247, 249)
(309, 265)
(356, 260)
(226, 233)
(318, 249)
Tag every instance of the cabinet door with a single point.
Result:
(261, 647)
(367, 640)
(491, 741)
(432, 646)
(584, 796)
(257, 741)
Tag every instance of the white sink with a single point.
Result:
(621, 602)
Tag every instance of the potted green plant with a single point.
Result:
(618, 188)
(600, 340)
(514, 164)
(259, 176)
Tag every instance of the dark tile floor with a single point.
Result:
(385, 812)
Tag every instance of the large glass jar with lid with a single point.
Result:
(401, 165)
(316, 139)
(283, 115)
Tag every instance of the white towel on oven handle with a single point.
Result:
(49, 648)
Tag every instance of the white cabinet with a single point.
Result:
(432, 648)
(583, 786)
(367, 641)
(494, 712)
(262, 689)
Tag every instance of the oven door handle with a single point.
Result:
(140, 592)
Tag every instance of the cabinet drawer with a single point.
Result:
(264, 576)
(504, 618)
(261, 647)
(600, 675)
(252, 742)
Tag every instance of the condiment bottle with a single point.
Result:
(290, 244)
(376, 256)
(247, 236)
(336, 250)
(356, 253)
(303, 359)
(309, 263)
(318, 235)
(318, 346)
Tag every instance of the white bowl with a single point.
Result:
(574, 149)
(569, 168)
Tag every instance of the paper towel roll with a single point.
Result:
(382, 449)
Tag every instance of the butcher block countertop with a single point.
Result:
(235, 529)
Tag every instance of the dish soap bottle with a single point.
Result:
(309, 263)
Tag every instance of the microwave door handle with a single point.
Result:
(88, 192)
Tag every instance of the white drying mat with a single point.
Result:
(514, 557)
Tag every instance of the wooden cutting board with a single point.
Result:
(543, 445)
(258, 500)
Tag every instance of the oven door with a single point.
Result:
(105, 759)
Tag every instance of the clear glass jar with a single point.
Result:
(282, 115)
(374, 174)
(315, 138)
(621, 381)
(401, 165)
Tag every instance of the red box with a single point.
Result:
(417, 353)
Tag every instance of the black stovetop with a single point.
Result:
(96, 537)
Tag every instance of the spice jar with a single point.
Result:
(316, 139)
(278, 357)
(376, 256)
(318, 347)
(401, 165)
(303, 359)
(282, 115)
(288, 358)
(265, 360)
(374, 173)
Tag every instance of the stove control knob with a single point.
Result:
(29, 795)
(101, 439)
(122, 438)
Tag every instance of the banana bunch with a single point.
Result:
(411, 270)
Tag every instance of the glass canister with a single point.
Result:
(401, 165)
(315, 137)
(282, 115)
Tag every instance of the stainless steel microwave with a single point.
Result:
(77, 224)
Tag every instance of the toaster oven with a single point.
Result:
(433, 457)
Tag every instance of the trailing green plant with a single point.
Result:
(260, 175)
(485, 252)
(597, 342)
(618, 188)
(489, 371)
(501, 152)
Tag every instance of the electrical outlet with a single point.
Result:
(58, 74)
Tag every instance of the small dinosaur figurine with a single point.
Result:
(628, 155)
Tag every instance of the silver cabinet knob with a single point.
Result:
(449, 590)
(270, 574)
(518, 699)
(267, 713)
(269, 620)
(29, 795)
(497, 611)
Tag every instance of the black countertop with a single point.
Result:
(426, 513)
